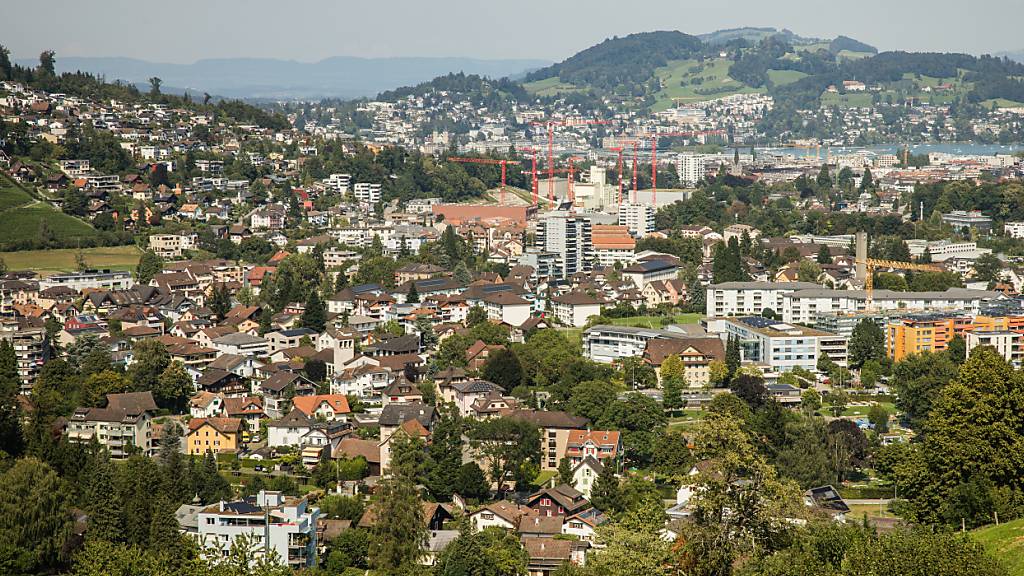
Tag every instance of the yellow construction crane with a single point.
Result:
(869, 277)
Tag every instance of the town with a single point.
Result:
(419, 335)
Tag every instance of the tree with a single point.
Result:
(95, 387)
(461, 274)
(918, 379)
(718, 372)
(314, 315)
(824, 178)
(824, 255)
(398, 535)
(750, 389)
(10, 411)
(866, 181)
(47, 63)
(808, 271)
(489, 552)
(673, 380)
(163, 527)
(149, 266)
(220, 301)
(174, 387)
(512, 447)
(732, 356)
(605, 494)
(671, 454)
(957, 349)
(504, 369)
(102, 501)
(315, 370)
(150, 359)
(471, 482)
(866, 343)
(154, 86)
(988, 268)
(476, 315)
(35, 518)
(565, 471)
(810, 401)
(412, 296)
(879, 418)
(837, 400)
(638, 374)
(444, 456)
(591, 399)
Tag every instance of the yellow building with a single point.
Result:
(213, 435)
(932, 334)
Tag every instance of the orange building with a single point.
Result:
(213, 435)
(932, 334)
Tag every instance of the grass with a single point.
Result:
(573, 335)
(11, 196)
(686, 420)
(851, 100)
(783, 77)
(549, 87)
(1001, 103)
(655, 321)
(857, 511)
(544, 476)
(680, 82)
(48, 262)
(1006, 542)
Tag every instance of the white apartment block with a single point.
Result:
(169, 246)
(29, 345)
(942, 250)
(338, 182)
(1007, 344)
(740, 298)
(639, 218)
(96, 279)
(690, 168)
(282, 524)
(1014, 229)
(804, 306)
(606, 344)
(570, 238)
(779, 345)
(367, 193)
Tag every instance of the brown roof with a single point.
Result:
(355, 447)
(222, 425)
(548, 548)
(660, 348)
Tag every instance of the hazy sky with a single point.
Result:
(182, 31)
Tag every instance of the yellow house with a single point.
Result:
(214, 435)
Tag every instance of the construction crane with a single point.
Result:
(533, 172)
(619, 149)
(551, 145)
(570, 173)
(654, 154)
(502, 163)
(870, 264)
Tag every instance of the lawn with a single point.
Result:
(23, 223)
(783, 77)
(681, 82)
(1006, 542)
(48, 262)
(686, 420)
(544, 476)
(549, 87)
(573, 335)
(655, 321)
(857, 512)
(852, 100)
(12, 196)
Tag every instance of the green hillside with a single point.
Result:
(23, 219)
(1006, 542)
(684, 81)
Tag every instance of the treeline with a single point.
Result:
(618, 61)
(93, 87)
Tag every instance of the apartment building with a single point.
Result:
(89, 279)
(274, 522)
(638, 218)
(606, 343)
(1009, 345)
(554, 428)
(690, 168)
(123, 427)
(964, 220)
(644, 273)
(779, 345)
(570, 238)
(30, 349)
(612, 244)
(804, 306)
(367, 193)
(915, 334)
(743, 298)
(169, 246)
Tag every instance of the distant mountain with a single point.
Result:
(631, 59)
(754, 35)
(1015, 55)
(259, 78)
(848, 44)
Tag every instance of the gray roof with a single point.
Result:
(951, 294)
(239, 339)
(792, 286)
(399, 413)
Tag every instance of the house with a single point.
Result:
(279, 387)
(327, 407)
(215, 435)
(697, 354)
(465, 394)
(478, 353)
(507, 308)
(292, 535)
(575, 308)
(434, 516)
(123, 426)
(248, 409)
(205, 404)
(221, 382)
(547, 555)
(599, 444)
(561, 500)
(241, 344)
(555, 427)
(415, 418)
(656, 270)
(502, 514)
(369, 450)
(585, 474)
(284, 339)
(289, 430)
(671, 292)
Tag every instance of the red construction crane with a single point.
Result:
(571, 174)
(503, 164)
(654, 154)
(620, 149)
(533, 172)
(551, 145)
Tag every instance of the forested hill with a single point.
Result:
(631, 59)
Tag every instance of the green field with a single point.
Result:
(783, 77)
(549, 87)
(655, 321)
(11, 196)
(1002, 103)
(1006, 542)
(681, 81)
(21, 217)
(854, 100)
(48, 262)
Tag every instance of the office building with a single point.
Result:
(780, 346)
(964, 220)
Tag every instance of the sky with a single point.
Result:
(182, 31)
